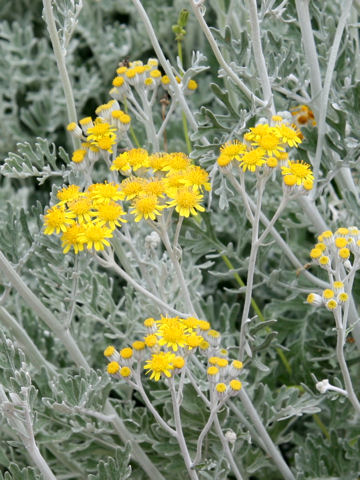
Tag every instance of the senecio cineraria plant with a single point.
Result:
(176, 190)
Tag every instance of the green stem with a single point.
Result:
(186, 132)
(322, 427)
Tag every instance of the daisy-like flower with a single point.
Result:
(160, 364)
(230, 151)
(102, 135)
(172, 333)
(121, 119)
(132, 187)
(57, 219)
(270, 143)
(173, 181)
(300, 170)
(104, 192)
(157, 161)
(109, 214)
(186, 201)
(73, 237)
(138, 158)
(82, 208)
(147, 207)
(78, 155)
(257, 132)
(121, 163)
(252, 159)
(154, 186)
(69, 193)
(95, 236)
(176, 161)
(288, 135)
(196, 177)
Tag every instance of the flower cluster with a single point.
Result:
(161, 181)
(143, 77)
(153, 183)
(338, 253)
(167, 349)
(85, 218)
(265, 146)
(101, 134)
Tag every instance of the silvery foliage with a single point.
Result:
(318, 436)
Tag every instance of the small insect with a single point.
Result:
(125, 62)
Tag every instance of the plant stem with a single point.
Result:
(269, 445)
(204, 431)
(164, 63)
(77, 357)
(180, 435)
(214, 47)
(251, 268)
(60, 60)
(228, 453)
(25, 342)
(345, 10)
(341, 337)
(110, 263)
(259, 56)
(184, 288)
(307, 36)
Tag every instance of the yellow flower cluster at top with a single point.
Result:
(332, 251)
(144, 76)
(167, 348)
(99, 135)
(265, 146)
(154, 183)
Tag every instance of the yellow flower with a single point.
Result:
(82, 208)
(95, 236)
(160, 364)
(186, 202)
(154, 186)
(230, 151)
(147, 207)
(176, 161)
(102, 135)
(288, 135)
(270, 143)
(256, 133)
(300, 170)
(57, 220)
(196, 177)
(113, 368)
(138, 158)
(78, 155)
(109, 214)
(104, 192)
(68, 193)
(121, 162)
(132, 187)
(73, 237)
(252, 159)
(157, 161)
(172, 334)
